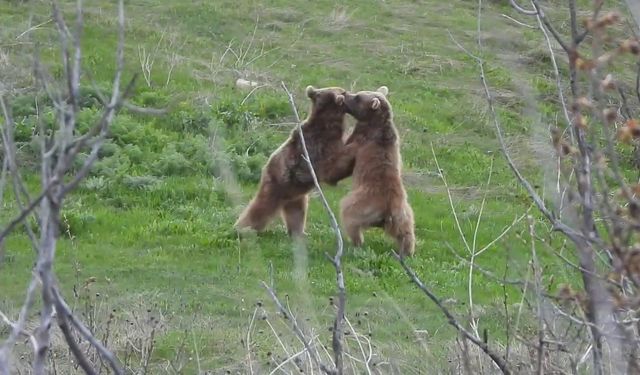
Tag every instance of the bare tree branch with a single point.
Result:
(10, 159)
(17, 328)
(556, 71)
(537, 200)
(58, 155)
(83, 362)
(63, 309)
(520, 9)
(336, 260)
(296, 329)
(540, 13)
(26, 211)
(496, 358)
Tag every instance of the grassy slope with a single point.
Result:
(166, 246)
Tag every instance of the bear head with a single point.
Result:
(365, 105)
(326, 101)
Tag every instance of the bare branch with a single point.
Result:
(337, 259)
(49, 228)
(540, 14)
(517, 22)
(537, 279)
(63, 308)
(83, 362)
(144, 111)
(101, 128)
(537, 200)
(18, 326)
(10, 160)
(556, 71)
(520, 9)
(496, 358)
(296, 329)
(61, 150)
(26, 211)
(288, 360)
(486, 273)
(451, 205)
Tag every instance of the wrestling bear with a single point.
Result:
(378, 197)
(286, 180)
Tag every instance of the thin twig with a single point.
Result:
(18, 326)
(32, 28)
(288, 360)
(63, 308)
(451, 205)
(537, 277)
(517, 22)
(521, 9)
(296, 329)
(336, 260)
(496, 358)
(556, 71)
(248, 339)
(537, 200)
(26, 211)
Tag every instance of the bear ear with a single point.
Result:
(384, 90)
(311, 91)
(375, 103)
(339, 99)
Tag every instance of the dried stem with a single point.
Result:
(296, 329)
(336, 260)
(496, 358)
(58, 155)
(537, 200)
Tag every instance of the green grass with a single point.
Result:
(153, 222)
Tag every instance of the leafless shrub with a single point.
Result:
(592, 213)
(165, 50)
(131, 331)
(58, 151)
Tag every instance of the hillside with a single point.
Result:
(149, 256)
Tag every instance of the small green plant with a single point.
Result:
(235, 116)
(24, 129)
(141, 182)
(172, 163)
(28, 105)
(76, 222)
(135, 153)
(154, 99)
(113, 166)
(108, 149)
(96, 183)
(248, 167)
(189, 119)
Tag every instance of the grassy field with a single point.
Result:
(149, 236)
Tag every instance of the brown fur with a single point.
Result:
(286, 179)
(378, 197)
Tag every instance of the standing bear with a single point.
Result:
(286, 179)
(378, 197)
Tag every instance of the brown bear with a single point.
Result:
(286, 180)
(378, 197)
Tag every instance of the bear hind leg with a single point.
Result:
(262, 208)
(357, 214)
(294, 215)
(401, 228)
(354, 231)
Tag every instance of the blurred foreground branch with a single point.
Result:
(59, 151)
